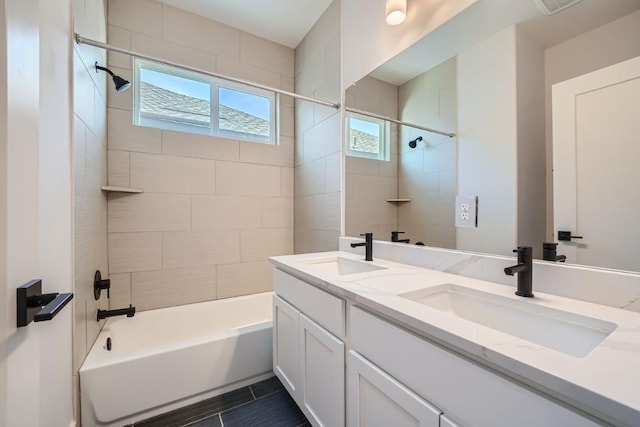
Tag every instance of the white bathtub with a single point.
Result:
(167, 358)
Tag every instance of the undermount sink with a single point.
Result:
(569, 333)
(342, 266)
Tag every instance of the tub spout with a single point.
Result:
(129, 312)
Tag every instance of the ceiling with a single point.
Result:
(282, 21)
(486, 17)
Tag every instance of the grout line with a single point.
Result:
(220, 416)
(246, 403)
(252, 393)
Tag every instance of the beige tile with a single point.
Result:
(200, 33)
(149, 212)
(228, 212)
(244, 279)
(120, 290)
(287, 121)
(334, 171)
(277, 212)
(80, 348)
(266, 54)
(123, 135)
(259, 244)
(173, 52)
(121, 38)
(326, 214)
(200, 146)
(286, 182)
(83, 93)
(194, 248)
(118, 168)
(303, 211)
(268, 154)
(143, 16)
(244, 179)
(322, 241)
(234, 68)
(166, 288)
(134, 252)
(170, 174)
(311, 178)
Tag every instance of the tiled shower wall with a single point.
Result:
(427, 173)
(213, 209)
(89, 174)
(318, 137)
(370, 182)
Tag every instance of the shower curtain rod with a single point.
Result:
(94, 43)
(400, 122)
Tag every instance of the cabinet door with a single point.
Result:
(375, 399)
(322, 372)
(446, 422)
(286, 361)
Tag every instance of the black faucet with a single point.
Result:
(394, 237)
(129, 312)
(368, 244)
(549, 253)
(524, 269)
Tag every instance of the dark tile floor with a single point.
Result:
(263, 404)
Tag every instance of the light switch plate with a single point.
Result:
(467, 211)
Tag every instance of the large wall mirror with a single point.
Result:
(494, 91)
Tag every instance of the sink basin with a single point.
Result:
(569, 333)
(343, 266)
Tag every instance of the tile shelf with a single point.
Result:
(398, 200)
(111, 189)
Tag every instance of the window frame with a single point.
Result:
(384, 141)
(214, 115)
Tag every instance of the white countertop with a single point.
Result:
(605, 382)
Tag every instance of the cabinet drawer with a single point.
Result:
(470, 393)
(324, 308)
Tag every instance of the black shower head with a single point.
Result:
(120, 83)
(414, 142)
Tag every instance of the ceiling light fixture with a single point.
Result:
(396, 11)
(121, 84)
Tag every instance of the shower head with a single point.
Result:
(414, 142)
(120, 83)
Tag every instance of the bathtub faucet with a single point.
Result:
(129, 312)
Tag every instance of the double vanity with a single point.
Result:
(382, 343)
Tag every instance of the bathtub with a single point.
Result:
(168, 358)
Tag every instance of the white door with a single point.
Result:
(286, 359)
(322, 375)
(35, 208)
(596, 174)
(375, 399)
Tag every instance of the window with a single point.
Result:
(174, 99)
(367, 137)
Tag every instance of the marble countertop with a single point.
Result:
(605, 382)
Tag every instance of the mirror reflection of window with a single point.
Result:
(367, 137)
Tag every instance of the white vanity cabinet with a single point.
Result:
(375, 399)
(308, 353)
(460, 388)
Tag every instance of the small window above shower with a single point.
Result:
(174, 99)
(367, 137)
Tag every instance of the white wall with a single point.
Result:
(318, 195)
(599, 48)
(487, 135)
(368, 41)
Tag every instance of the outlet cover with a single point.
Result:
(467, 211)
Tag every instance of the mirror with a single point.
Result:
(494, 91)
